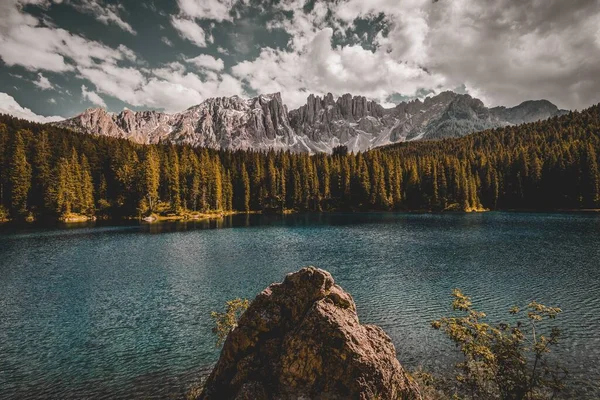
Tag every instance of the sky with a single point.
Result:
(59, 57)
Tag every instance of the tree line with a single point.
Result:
(48, 172)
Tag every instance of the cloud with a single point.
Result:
(218, 10)
(189, 30)
(502, 51)
(105, 13)
(170, 87)
(92, 97)
(127, 52)
(43, 82)
(509, 51)
(52, 100)
(24, 42)
(8, 105)
(320, 68)
(208, 62)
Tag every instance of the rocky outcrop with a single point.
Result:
(528, 111)
(301, 339)
(229, 123)
(360, 124)
(263, 122)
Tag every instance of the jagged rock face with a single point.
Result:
(262, 123)
(301, 339)
(222, 123)
(361, 125)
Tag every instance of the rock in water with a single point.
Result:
(301, 339)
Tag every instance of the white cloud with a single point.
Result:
(189, 30)
(170, 87)
(105, 13)
(503, 51)
(218, 10)
(43, 83)
(23, 42)
(208, 62)
(127, 52)
(508, 52)
(8, 105)
(166, 41)
(320, 68)
(92, 96)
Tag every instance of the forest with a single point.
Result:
(47, 173)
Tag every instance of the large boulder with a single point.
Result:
(301, 339)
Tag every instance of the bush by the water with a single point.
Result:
(505, 360)
(227, 320)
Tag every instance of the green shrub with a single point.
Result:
(504, 361)
(3, 214)
(226, 321)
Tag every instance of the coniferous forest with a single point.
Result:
(48, 172)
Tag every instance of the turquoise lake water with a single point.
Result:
(122, 312)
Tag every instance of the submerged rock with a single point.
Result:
(301, 339)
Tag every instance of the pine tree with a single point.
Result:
(87, 188)
(195, 182)
(76, 184)
(591, 178)
(245, 193)
(227, 191)
(150, 178)
(63, 187)
(19, 177)
(173, 180)
(217, 187)
(40, 194)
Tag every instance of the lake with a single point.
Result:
(122, 312)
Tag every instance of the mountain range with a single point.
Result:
(264, 122)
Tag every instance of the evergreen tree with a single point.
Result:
(41, 196)
(245, 192)
(87, 188)
(19, 177)
(591, 178)
(173, 179)
(150, 177)
(63, 187)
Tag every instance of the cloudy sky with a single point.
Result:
(59, 57)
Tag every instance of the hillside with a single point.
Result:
(48, 172)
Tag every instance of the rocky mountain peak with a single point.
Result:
(528, 111)
(302, 339)
(264, 122)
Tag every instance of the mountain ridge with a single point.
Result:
(264, 122)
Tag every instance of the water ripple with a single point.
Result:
(123, 312)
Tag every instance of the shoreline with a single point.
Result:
(73, 220)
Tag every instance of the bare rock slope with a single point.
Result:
(301, 339)
(263, 122)
(230, 123)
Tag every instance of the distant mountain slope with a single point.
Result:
(321, 124)
(220, 123)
